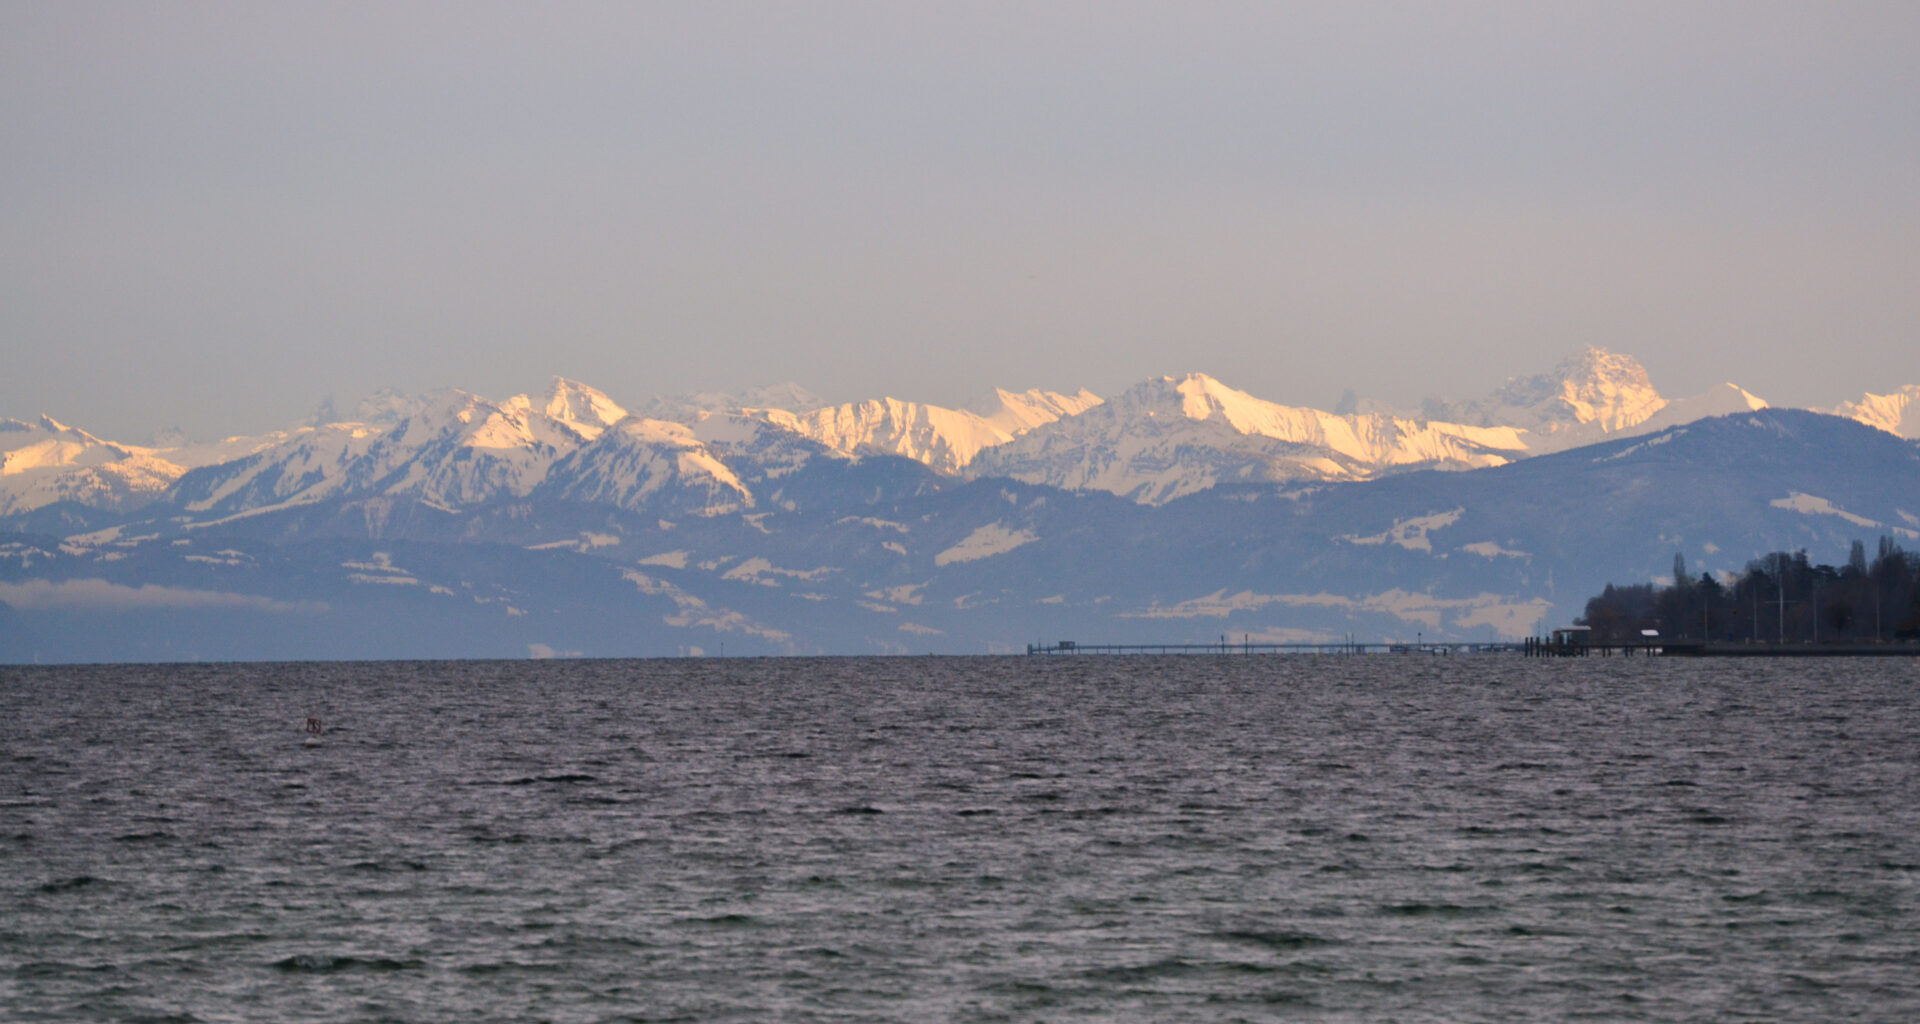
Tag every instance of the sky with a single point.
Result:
(213, 216)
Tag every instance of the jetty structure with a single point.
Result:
(1567, 642)
(1248, 646)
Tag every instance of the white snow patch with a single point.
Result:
(1285, 635)
(724, 621)
(1648, 443)
(646, 583)
(401, 581)
(1220, 604)
(754, 570)
(1515, 619)
(1410, 533)
(98, 594)
(1507, 617)
(669, 559)
(985, 542)
(382, 562)
(878, 524)
(206, 559)
(906, 593)
(96, 538)
(585, 543)
(248, 514)
(1807, 504)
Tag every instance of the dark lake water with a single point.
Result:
(963, 839)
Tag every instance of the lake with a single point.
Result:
(1205, 838)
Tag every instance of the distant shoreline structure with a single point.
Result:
(1533, 648)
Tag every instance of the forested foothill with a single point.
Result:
(1781, 598)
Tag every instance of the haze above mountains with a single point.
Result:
(1162, 439)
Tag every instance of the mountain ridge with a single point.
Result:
(880, 554)
(1160, 440)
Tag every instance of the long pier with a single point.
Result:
(1247, 647)
(1530, 647)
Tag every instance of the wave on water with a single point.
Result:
(855, 840)
(320, 963)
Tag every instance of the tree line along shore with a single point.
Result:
(1781, 598)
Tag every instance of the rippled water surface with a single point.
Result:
(1094, 838)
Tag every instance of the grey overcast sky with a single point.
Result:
(213, 216)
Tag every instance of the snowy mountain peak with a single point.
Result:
(1613, 390)
(659, 433)
(436, 413)
(587, 410)
(384, 408)
(1592, 392)
(948, 440)
(1167, 437)
(1752, 401)
(1203, 396)
(49, 444)
(1160, 439)
(638, 462)
(1016, 412)
(47, 461)
(1719, 401)
(1896, 413)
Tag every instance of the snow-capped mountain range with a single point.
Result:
(713, 454)
(658, 538)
